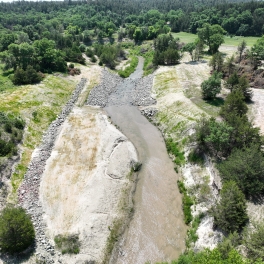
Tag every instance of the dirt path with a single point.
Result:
(257, 109)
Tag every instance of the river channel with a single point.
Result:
(157, 230)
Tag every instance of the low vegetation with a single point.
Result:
(68, 244)
(129, 69)
(187, 202)
(192, 237)
(174, 149)
(11, 133)
(115, 232)
(38, 107)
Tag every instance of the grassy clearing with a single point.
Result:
(210, 107)
(5, 82)
(38, 105)
(148, 67)
(230, 41)
(166, 81)
(185, 37)
(176, 112)
(234, 41)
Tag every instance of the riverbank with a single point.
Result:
(78, 182)
(156, 231)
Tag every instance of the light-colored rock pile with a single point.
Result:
(99, 95)
(114, 90)
(142, 92)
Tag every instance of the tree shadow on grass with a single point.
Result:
(218, 101)
(7, 73)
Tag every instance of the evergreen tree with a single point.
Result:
(230, 213)
(16, 230)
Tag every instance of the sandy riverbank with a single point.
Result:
(84, 179)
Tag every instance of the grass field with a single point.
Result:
(185, 37)
(234, 41)
(38, 105)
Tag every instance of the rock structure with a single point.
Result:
(112, 89)
(149, 112)
(100, 93)
(28, 193)
(142, 92)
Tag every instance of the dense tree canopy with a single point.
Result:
(212, 36)
(246, 168)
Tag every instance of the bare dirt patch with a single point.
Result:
(257, 109)
(84, 180)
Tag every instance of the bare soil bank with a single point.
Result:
(83, 181)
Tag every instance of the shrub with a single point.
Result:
(253, 238)
(93, 59)
(213, 256)
(18, 123)
(231, 242)
(181, 186)
(234, 104)
(136, 166)
(192, 237)
(16, 230)
(89, 53)
(195, 157)
(213, 137)
(8, 127)
(5, 148)
(82, 48)
(68, 244)
(28, 76)
(211, 87)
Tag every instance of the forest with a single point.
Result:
(41, 38)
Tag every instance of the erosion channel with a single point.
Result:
(156, 231)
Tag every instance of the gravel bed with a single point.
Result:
(142, 92)
(100, 93)
(114, 90)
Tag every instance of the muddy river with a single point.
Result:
(157, 230)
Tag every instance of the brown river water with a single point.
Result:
(157, 230)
